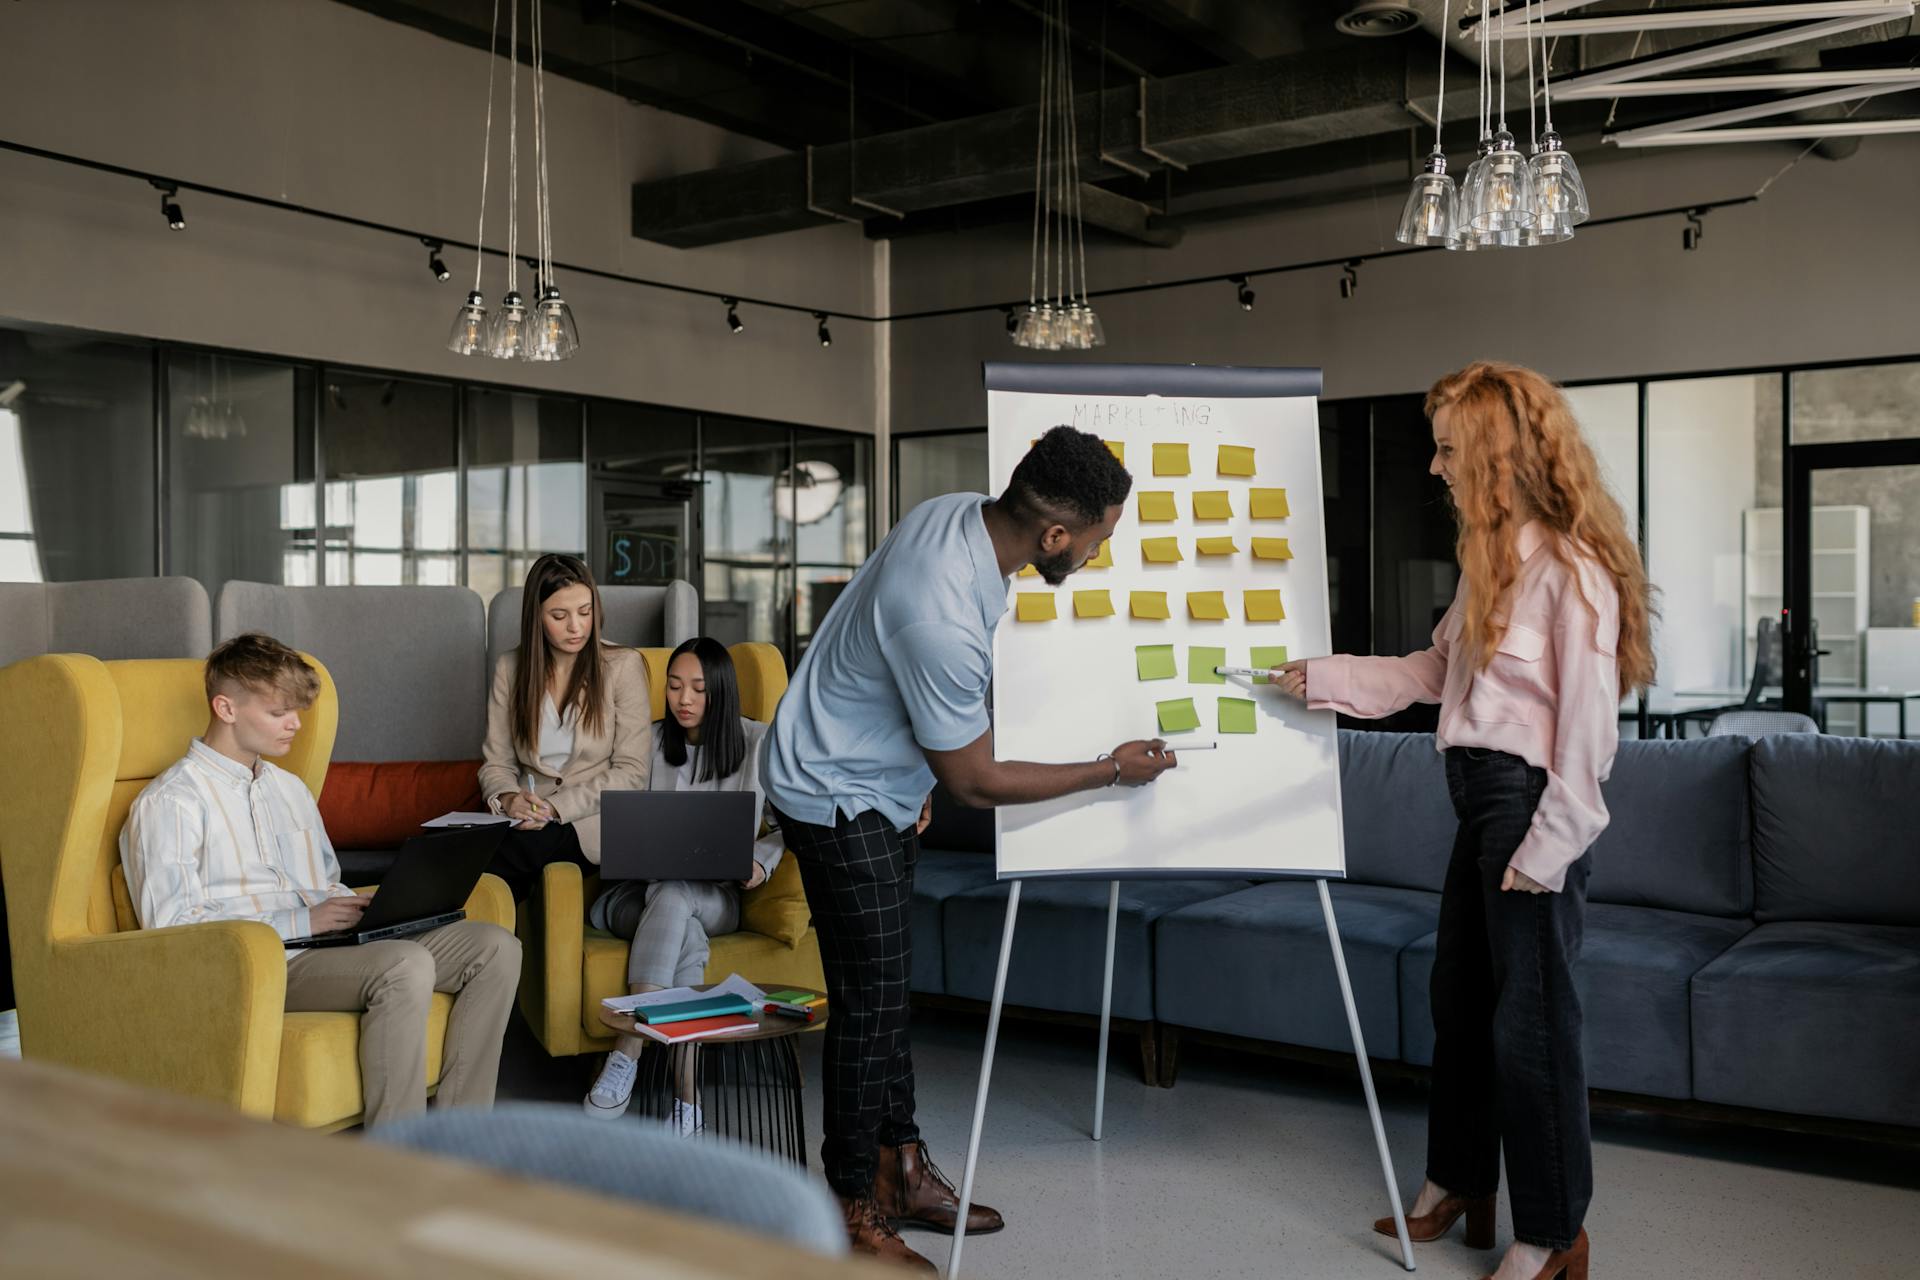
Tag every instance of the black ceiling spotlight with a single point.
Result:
(1691, 233)
(826, 338)
(1243, 291)
(435, 263)
(1349, 278)
(1013, 321)
(733, 315)
(168, 205)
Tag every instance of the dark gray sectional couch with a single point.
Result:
(1753, 928)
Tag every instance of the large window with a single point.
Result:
(525, 483)
(240, 453)
(76, 458)
(392, 498)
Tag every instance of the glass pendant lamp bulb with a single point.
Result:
(554, 336)
(1558, 193)
(468, 336)
(507, 334)
(1432, 213)
(1500, 189)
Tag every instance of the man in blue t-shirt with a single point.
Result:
(891, 696)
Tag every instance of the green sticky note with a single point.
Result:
(1178, 716)
(1200, 664)
(1236, 715)
(1266, 657)
(1155, 662)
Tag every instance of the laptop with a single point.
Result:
(428, 887)
(678, 835)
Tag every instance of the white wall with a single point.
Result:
(316, 103)
(1821, 268)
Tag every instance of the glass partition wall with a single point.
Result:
(126, 458)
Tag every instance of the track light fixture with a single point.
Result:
(1244, 292)
(1349, 278)
(826, 338)
(435, 263)
(1691, 233)
(733, 315)
(1013, 321)
(169, 207)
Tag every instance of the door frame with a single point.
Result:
(1801, 461)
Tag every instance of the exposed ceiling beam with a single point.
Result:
(1203, 116)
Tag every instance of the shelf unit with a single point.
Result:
(1840, 578)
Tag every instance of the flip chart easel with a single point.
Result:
(1152, 832)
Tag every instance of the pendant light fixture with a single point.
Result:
(554, 335)
(545, 330)
(1559, 196)
(1432, 212)
(1499, 194)
(1059, 314)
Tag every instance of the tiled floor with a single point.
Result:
(1253, 1167)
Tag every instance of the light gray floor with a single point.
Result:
(1258, 1168)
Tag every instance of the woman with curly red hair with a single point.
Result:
(1551, 625)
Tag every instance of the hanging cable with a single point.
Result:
(486, 150)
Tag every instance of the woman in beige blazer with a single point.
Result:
(570, 716)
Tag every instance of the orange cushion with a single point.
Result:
(378, 805)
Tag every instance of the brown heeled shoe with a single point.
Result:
(1429, 1227)
(1569, 1263)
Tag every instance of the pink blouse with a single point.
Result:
(1551, 696)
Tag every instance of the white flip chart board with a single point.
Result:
(1075, 684)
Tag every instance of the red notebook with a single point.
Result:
(697, 1028)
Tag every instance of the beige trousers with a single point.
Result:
(391, 984)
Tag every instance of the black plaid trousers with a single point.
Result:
(859, 879)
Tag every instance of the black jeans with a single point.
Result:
(522, 857)
(859, 879)
(1508, 1066)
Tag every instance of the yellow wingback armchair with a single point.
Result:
(197, 1009)
(569, 969)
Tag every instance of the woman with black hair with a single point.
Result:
(702, 744)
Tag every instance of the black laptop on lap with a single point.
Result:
(427, 888)
(677, 835)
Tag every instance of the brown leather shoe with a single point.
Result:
(869, 1232)
(911, 1189)
(1568, 1264)
(1429, 1227)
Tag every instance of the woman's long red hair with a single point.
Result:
(1517, 450)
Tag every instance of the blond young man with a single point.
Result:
(224, 835)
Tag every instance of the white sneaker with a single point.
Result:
(687, 1119)
(612, 1092)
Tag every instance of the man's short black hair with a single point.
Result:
(1068, 476)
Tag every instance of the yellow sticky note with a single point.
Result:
(1264, 606)
(1118, 448)
(1034, 606)
(1149, 604)
(1216, 546)
(1092, 604)
(1157, 505)
(1236, 460)
(1160, 550)
(1271, 549)
(1270, 504)
(1212, 504)
(1170, 460)
(1029, 572)
(1102, 559)
(1211, 606)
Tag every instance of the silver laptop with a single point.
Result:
(677, 835)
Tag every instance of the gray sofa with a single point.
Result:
(1753, 930)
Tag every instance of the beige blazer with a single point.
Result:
(614, 758)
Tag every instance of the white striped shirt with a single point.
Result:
(210, 840)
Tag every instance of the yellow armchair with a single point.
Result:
(196, 1009)
(568, 969)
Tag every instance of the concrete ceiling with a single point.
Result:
(918, 115)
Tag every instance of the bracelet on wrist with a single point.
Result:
(1108, 755)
